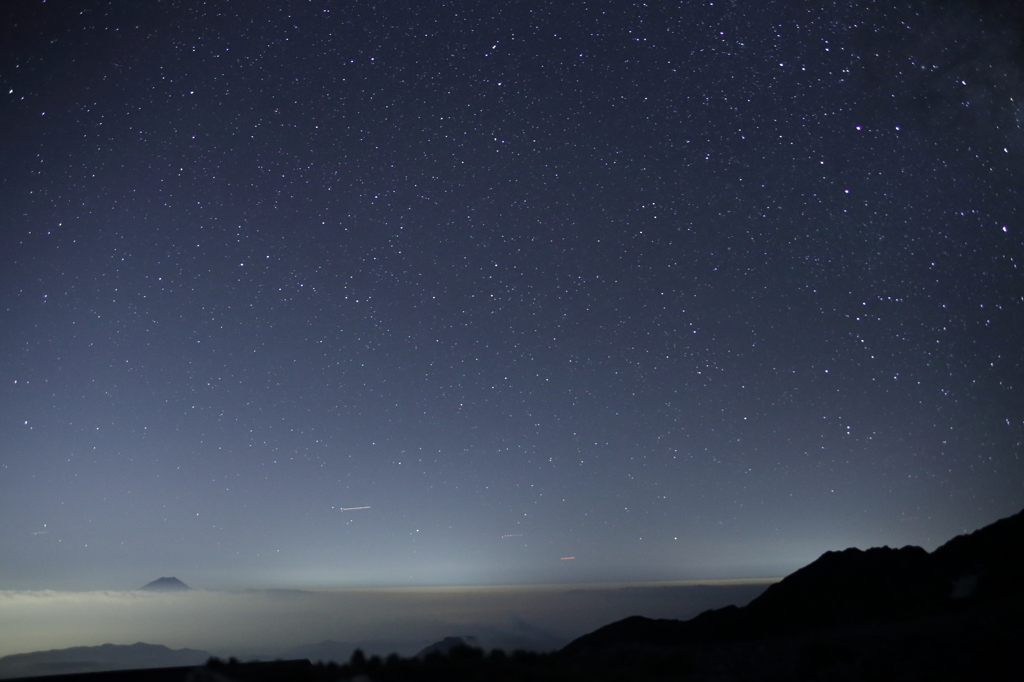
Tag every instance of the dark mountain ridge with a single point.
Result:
(849, 588)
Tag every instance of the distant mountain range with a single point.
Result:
(85, 659)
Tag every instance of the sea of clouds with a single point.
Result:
(267, 622)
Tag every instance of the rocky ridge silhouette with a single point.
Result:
(850, 588)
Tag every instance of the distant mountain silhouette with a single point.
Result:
(82, 659)
(171, 584)
(449, 643)
(847, 589)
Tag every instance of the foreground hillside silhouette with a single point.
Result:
(880, 614)
(970, 574)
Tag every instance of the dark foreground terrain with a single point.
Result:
(881, 614)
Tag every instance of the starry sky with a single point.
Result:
(313, 294)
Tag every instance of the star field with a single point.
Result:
(680, 290)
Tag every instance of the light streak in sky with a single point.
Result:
(353, 508)
(567, 558)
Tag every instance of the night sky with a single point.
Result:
(314, 294)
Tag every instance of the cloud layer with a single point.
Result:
(268, 621)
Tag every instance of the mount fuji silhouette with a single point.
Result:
(170, 584)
